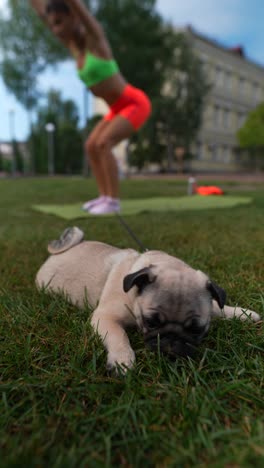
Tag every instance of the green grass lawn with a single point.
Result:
(59, 408)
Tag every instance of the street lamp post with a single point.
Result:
(50, 129)
(12, 138)
(86, 117)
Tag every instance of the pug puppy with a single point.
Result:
(169, 302)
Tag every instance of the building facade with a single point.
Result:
(237, 87)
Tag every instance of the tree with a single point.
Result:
(1, 161)
(67, 136)
(27, 48)
(139, 41)
(19, 159)
(251, 136)
(177, 109)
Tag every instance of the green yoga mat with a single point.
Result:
(158, 204)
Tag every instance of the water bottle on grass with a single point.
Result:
(191, 186)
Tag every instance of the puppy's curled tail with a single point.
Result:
(69, 238)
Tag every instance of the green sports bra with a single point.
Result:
(96, 69)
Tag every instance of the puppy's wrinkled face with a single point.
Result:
(173, 308)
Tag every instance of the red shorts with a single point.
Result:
(133, 105)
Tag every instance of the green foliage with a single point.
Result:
(251, 139)
(1, 161)
(6, 166)
(19, 164)
(139, 41)
(182, 97)
(67, 136)
(27, 47)
(9, 165)
(177, 109)
(251, 135)
(70, 154)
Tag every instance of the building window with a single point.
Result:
(219, 76)
(207, 116)
(218, 153)
(213, 151)
(224, 118)
(257, 93)
(227, 118)
(233, 120)
(237, 157)
(204, 64)
(241, 117)
(217, 116)
(226, 155)
(251, 91)
(242, 85)
(199, 151)
(228, 80)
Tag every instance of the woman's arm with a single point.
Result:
(92, 26)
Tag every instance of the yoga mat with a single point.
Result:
(158, 204)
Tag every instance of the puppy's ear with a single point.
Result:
(217, 293)
(140, 278)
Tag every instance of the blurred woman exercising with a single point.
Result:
(80, 32)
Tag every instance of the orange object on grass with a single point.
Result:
(209, 190)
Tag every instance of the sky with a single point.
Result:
(230, 22)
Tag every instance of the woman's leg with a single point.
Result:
(134, 109)
(95, 161)
(117, 130)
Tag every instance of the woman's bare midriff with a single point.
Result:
(110, 89)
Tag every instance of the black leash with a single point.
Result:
(131, 233)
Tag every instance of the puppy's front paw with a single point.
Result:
(254, 316)
(249, 314)
(121, 361)
(240, 313)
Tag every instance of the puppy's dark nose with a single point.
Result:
(195, 328)
(171, 345)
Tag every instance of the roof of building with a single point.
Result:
(237, 50)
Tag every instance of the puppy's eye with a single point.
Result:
(153, 321)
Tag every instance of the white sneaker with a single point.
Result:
(110, 205)
(94, 202)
